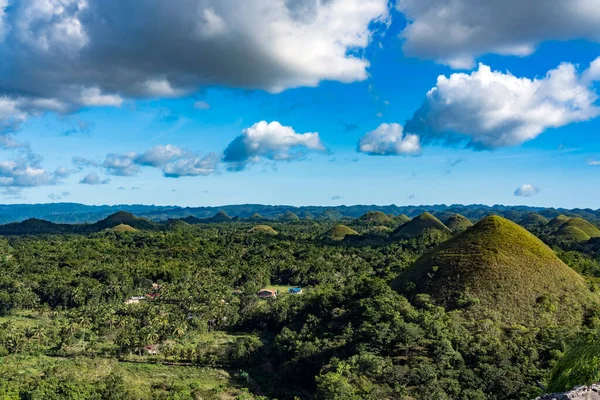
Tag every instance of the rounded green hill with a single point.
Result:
(123, 228)
(572, 234)
(256, 217)
(221, 216)
(290, 216)
(582, 225)
(374, 217)
(533, 220)
(420, 225)
(556, 222)
(401, 219)
(458, 223)
(339, 232)
(264, 229)
(499, 270)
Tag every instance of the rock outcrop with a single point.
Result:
(591, 392)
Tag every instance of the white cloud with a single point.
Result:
(62, 55)
(389, 139)
(594, 163)
(173, 161)
(93, 179)
(489, 109)
(121, 164)
(527, 190)
(201, 105)
(93, 97)
(456, 32)
(159, 155)
(192, 165)
(272, 141)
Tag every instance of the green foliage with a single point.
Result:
(579, 366)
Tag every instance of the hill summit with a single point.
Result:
(339, 232)
(458, 223)
(374, 217)
(499, 270)
(420, 225)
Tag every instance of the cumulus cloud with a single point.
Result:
(174, 162)
(489, 109)
(61, 55)
(24, 170)
(121, 164)
(456, 32)
(527, 190)
(594, 163)
(272, 141)
(93, 179)
(389, 139)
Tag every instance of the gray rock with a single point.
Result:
(591, 392)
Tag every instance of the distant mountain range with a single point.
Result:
(73, 213)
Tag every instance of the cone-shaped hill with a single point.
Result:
(401, 219)
(458, 223)
(533, 220)
(556, 222)
(339, 232)
(221, 216)
(264, 230)
(583, 226)
(123, 228)
(373, 218)
(419, 225)
(122, 218)
(499, 270)
(290, 216)
(256, 217)
(572, 234)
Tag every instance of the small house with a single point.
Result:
(134, 300)
(295, 290)
(267, 294)
(152, 350)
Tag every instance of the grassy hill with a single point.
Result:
(557, 221)
(374, 217)
(264, 229)
(533, 220)
(499, 270)
(221, 216)
(419, 225)
(290, 216)
(401, 219)
(256, 217)
(572, 234)
(339, 232)
(458, 223)
(123, 228)
(582, 225)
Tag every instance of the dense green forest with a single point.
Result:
(389, 308)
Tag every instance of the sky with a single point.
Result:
(300, 102)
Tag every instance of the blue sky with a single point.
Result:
(70, 101)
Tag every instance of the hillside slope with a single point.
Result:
(499, 270)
